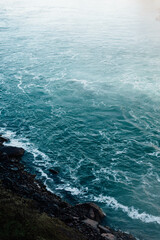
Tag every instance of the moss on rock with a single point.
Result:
(20, 220)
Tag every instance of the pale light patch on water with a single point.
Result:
(59, 112)
(151, 86)
(83, 82)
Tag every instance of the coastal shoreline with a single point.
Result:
(84, 218)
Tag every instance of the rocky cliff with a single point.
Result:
(28, 211)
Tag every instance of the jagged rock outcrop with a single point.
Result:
(3, 139)
(12, 151)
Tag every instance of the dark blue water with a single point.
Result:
(80, 91)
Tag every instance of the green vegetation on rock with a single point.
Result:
(20, 220)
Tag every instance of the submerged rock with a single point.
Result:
(12, 151)
(3, 139)
(53, 171)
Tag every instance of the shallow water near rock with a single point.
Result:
(80, 91)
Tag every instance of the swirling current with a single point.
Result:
(80, 91)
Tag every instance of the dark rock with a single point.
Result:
(4, 156)
(14, 169)
(14, 160)
(33, 175)
(8, 181)
(64, 205)
(67, 218)
(36, 196)
(122, 236)
(91, 210)
(92, 223)
(12, 151)
(3, 139)
(53, 171)
(108, 236)
(1, 167)
(104, 229)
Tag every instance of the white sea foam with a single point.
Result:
(114, 174)
(40, 158)
(43, 174)
(130, 211)
(24, 143)
(157, 177)
(150, 87)
(81, 81)
(67, 187)
(19, 85)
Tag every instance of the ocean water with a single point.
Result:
(80, 91)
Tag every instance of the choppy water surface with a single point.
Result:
(80, 91)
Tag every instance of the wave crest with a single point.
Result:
(131, 211)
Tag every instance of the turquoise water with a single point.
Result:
(80, 91)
